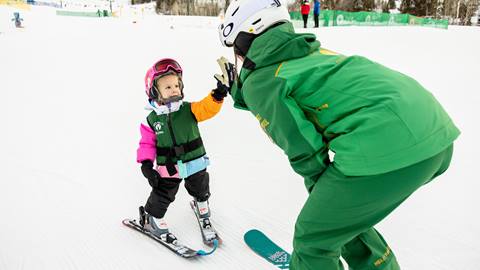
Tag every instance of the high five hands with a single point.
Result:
(225, 80)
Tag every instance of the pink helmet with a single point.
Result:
(161, 68)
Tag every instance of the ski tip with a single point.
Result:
(252, 234)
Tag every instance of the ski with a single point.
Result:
(175, 246)
(205, 231)
(267, 249)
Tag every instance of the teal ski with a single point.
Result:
(267, 249)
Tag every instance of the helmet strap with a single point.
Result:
(236, 64)
(154, 93)
(166, 101)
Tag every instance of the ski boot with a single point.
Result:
(156, 226)
(203, 209)
(202, 212)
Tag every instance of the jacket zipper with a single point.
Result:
(169, 122)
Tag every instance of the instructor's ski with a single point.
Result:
(267, 249)
(174, 246)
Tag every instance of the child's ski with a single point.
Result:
(267, 249)
(206, 228)
(174, 246)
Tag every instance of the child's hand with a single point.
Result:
(220, 92)
(224, 80)
(151, 174)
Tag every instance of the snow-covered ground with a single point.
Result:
(72, 98)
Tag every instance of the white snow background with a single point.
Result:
(71, 101)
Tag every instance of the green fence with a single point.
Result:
(98, 13)
(344, 18)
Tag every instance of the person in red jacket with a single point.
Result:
(305, 9)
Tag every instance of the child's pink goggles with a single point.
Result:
(165, 65)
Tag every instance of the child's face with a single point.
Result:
(169, 86)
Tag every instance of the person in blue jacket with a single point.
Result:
(316, 11)
(17, 19)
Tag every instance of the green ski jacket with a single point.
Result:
(310, 100)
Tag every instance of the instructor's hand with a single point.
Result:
(225, 80)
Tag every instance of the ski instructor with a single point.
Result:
(390, 136)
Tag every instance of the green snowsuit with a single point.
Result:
(389, 136)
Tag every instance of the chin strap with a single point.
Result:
(167, 108)
(167, 101)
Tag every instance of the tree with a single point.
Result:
(468, 8)
(355, 5)
(349, 5)
(407, 6)
(386, 6)
(165, 6)
(369, 5)
(419, 7)
(459, 11)
(330, 4)
(134, 2)
(391, 4)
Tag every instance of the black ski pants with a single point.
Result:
(197, 185)
(305, 20)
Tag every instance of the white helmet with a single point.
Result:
(250, 16)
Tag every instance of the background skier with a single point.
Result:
(316, 11)
(305, 10)
(17, 20)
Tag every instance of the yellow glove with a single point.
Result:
(228, 75)
(224, 80)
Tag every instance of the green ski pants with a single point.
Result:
(340, 212)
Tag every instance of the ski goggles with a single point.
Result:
(165, 65)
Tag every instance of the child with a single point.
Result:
(171, 140)
(389, 134)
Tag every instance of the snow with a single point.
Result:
(72, 98)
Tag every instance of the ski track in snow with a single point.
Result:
(71, 99)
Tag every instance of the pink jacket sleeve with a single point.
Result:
(147, 148)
